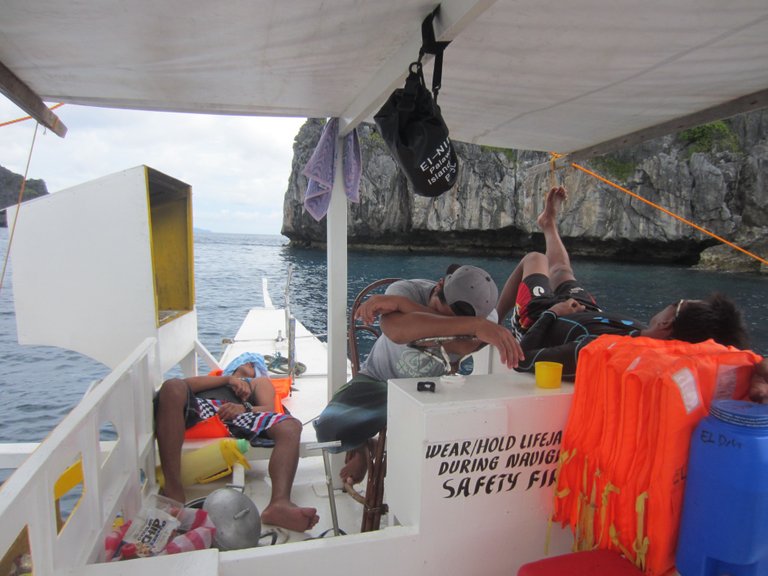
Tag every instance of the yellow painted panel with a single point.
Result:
(172, 251)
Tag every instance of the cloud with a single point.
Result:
(238, 166)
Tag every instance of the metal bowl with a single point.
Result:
(236, 518)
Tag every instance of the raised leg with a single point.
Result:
(560, 268)
(531, 263)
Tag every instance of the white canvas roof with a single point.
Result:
(535, 74)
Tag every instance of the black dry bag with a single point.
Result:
(413, 128)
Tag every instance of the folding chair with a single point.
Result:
(373, 501)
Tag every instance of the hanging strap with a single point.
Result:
(430, 46)
(415, 79)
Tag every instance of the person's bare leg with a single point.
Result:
(560, 268)
(281, 511)
(169, 430)
(355, 465)
(531, 263)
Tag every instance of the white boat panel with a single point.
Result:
(261, 325)
(383, 553)
(95, 294)
(176, 339)
(111, 483)
(475, 462)
(88, 271)
(12, 455)
(199, 563)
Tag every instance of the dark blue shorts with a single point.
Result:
(355, 413)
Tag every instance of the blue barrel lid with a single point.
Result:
(741, 412)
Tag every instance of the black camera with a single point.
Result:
(425, 386)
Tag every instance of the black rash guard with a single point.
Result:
(560, 338)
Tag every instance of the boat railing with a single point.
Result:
(290, 325)
(111, 481)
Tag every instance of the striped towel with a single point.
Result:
(199, 532)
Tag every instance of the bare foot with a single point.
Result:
(355, 466)
(289, 516)
(553, 201)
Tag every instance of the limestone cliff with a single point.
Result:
(715, 176)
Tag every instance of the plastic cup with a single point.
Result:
(548, 374)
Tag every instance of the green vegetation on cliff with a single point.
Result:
(712, 137)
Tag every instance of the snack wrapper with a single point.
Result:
(154, 526)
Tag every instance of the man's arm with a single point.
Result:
(264, 393)
(403, 321)
(200, 383)
(403, 328)
(380, 304)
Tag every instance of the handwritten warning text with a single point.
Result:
(497, 464)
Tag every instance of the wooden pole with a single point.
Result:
(23, 96)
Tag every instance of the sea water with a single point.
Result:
(40, 384)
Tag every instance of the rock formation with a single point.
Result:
(715, 176)
(10, 184)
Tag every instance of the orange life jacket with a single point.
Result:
(625, 447)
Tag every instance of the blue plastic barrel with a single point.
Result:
(724, 524)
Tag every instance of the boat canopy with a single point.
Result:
(532, 74)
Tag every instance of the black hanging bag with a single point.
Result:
(413, 128)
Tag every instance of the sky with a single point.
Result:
(238, 166)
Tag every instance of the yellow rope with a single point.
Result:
(654, 205)
(607, 491)
(558, 494)
(616, 541)
(641, 543)
(18, 204)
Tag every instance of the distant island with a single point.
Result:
(10, 185)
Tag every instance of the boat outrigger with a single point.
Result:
(578, 78)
